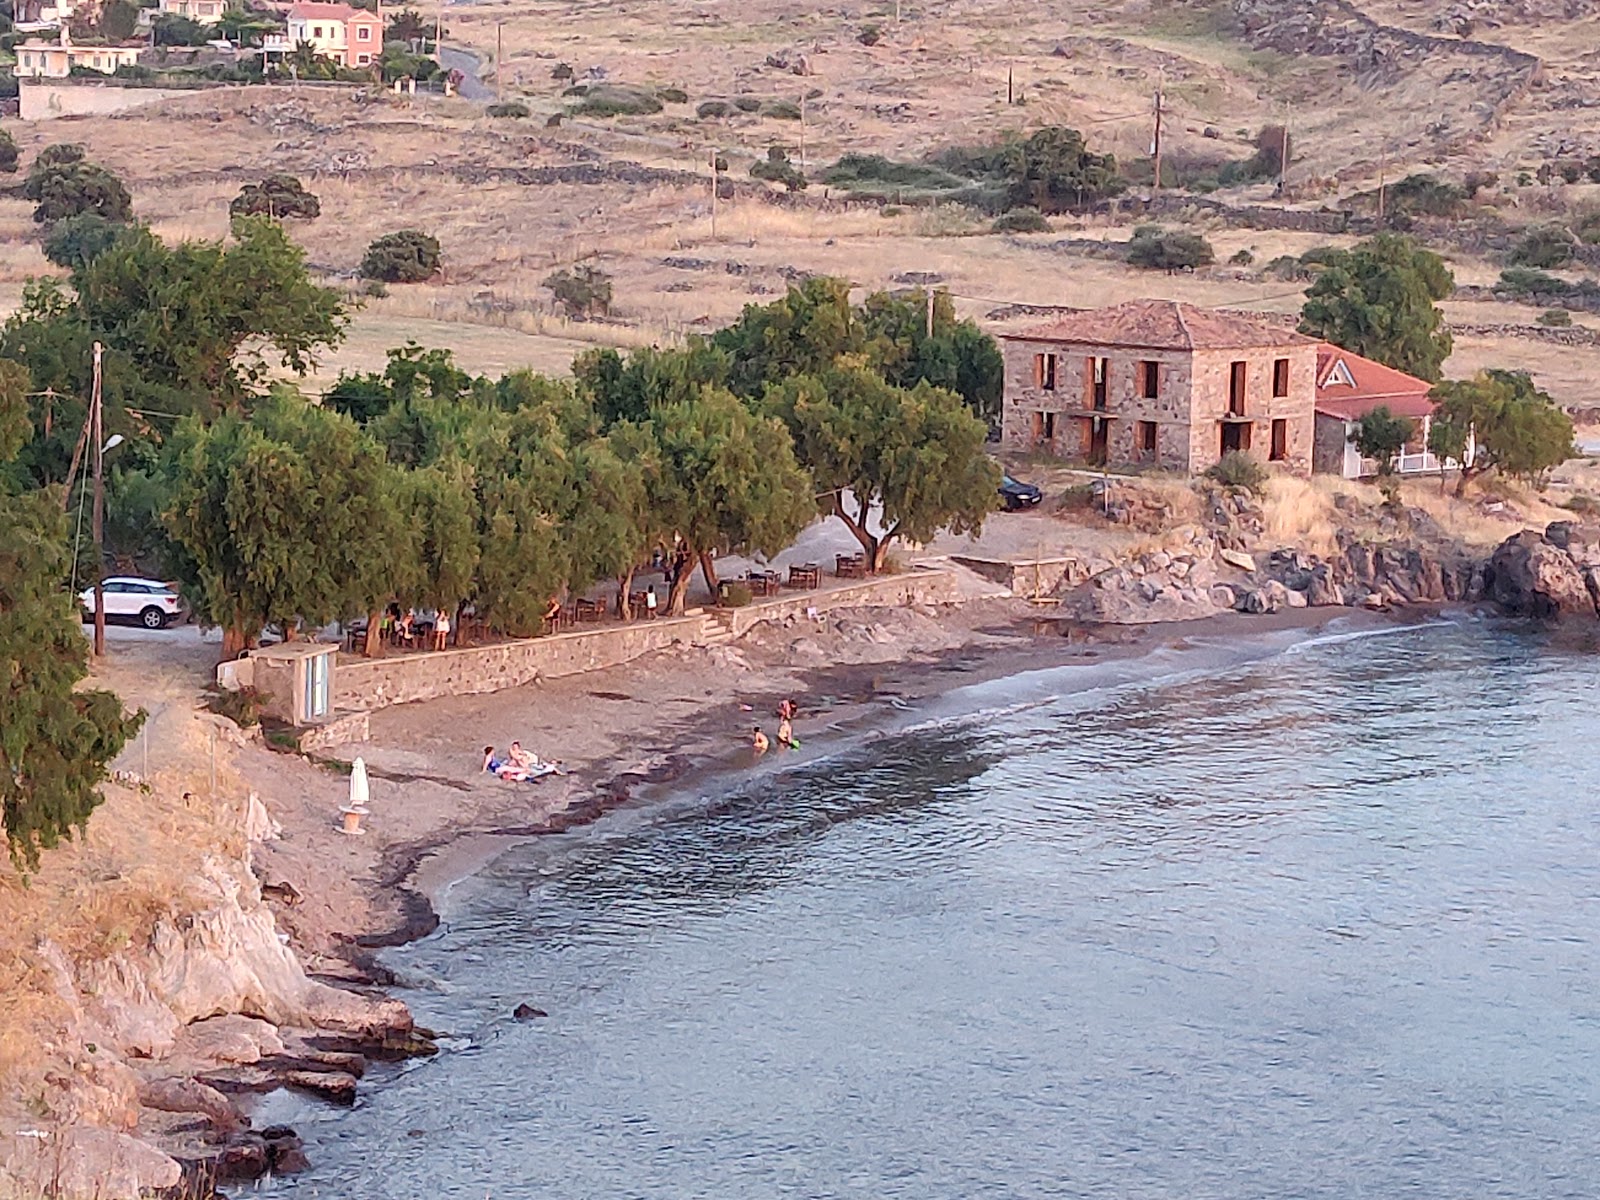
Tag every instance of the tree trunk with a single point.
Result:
(708, 568)
(234, 642)
(624, 586)
(680, 587)
(857, 526)
(879, 556)
(374, 643)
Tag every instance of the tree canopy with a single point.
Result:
(1512, 426)
(56, 740)
(1378, 300)
(914, 454)
(1053, 170)
(1381, 435)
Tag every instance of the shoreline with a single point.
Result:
(839, 707)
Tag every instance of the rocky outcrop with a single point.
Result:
(1547, 575)
(1162, 585)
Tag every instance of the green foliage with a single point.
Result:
(874, 175)
(709, 109)
(869, 35)
(412, 373)
(627, 389)
(119, 20)
(406, 256)
(777, 168)
(1381, 435)
(1425, 195)
(914, 454)
(1155, 248)
(56, 740)
(617, 100)
(584, 292)
(1378, 300)
(561, 71)
(1021, 220)
(1543, 247)
(170, 29)
(1235, 469)
(1556, 318)
(63, 184)
(511, 108)
(781, 110)
(277, 197)
(8, 152)
(288, 515)
(244, 27)
(77, 241)
(673, 95)
(1525, 282)
(747, 104)
(1516, 428)
(398, 62)
(1241, 258)
(408, 25)
(1053, 170)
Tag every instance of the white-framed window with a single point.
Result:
(363, 33)
(316, 31)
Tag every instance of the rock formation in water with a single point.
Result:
(1551, 574)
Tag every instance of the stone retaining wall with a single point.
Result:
(921, 585)
(372, 683)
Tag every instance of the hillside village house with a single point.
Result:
(1160, 384)
(1348, 388)
(351, 37)
(55, 60)
(207, 12)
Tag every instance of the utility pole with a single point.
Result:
(438, 28)
(98, 434)
(713, 195)
(802, 131)
(1383, 177)
(930, 312)
(1283, 158)
(1155, 141)
(499, 61)
(1010, 88)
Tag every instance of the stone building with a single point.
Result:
(1156, 383)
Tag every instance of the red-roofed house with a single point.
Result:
(1162, 384)
(1348, 388)
(351, 37)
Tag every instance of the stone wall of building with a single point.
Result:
(1328, 446)
(1212, 374)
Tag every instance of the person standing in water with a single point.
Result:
(759, 740)
(786, 734)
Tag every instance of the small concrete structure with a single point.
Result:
(295, 680)
(1156, 383)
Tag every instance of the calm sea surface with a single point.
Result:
(1322, 920)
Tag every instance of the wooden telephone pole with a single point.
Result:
(1155, 141)
(499, 61)
(713, 195)
(98, 435)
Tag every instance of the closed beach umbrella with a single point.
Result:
(358, 785)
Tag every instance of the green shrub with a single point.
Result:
(406, 256)
(583, 292)
(1571, 172)
(1424, 195)
(1235, 469)
(1287, 268)
(1241, 258)
(781, 110)
(1021, 220)
(242, 707)
(62, 185)
(776, 168)
(713, 108)
(375, 288)
(736, 594)
(276, 196)
(868, 170)
(674, 95)
(170, 29)
(870, 35)
(1155, 248)
(617, 100)
(561, 71)
(78, 240)
(1542, 248)
(1582, 502)
(8, 152)
(747, 104)
(1556, 318)
(1521, 281)
(511, 108)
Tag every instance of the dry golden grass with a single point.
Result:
(1300, 512)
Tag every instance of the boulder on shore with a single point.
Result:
(1531, 575)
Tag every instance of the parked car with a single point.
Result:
(1015, 494)
(150, 602)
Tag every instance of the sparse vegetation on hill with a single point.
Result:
(613, 100)
(77, 241)
(276, 197)
(511, 108)
(584, 292)
(1544, 247)
(406, 256)
(62, 183)
(777, 168)
(1155, 248)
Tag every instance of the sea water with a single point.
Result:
(1308, 918)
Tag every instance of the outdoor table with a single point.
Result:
(805, 575)
(850, 566)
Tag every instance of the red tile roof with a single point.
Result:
(1162, 325)
(1350, 386)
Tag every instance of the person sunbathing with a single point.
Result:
(525, 759)
(503, 770)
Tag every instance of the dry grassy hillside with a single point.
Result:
(513, 199)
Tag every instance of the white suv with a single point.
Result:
(149, 601)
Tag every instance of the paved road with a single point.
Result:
(472, 88)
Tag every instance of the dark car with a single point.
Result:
(1015, 494)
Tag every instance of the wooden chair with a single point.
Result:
(805, 575)
(850, 566)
